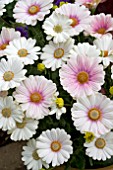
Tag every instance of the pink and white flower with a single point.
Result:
(79, 15)
(29, 12)
(88, 3)
(35, 95)
(93, 113)
(82, 75)
(105, 45)
(7, 35)
(100, 25)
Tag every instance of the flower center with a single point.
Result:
(22, 52)
(82, 77)
(105, 53)
(94, 114)
(58, 28)
(74, 22)
(34, 9)
(35, 155)
(56, 146)
(100, 143)
(59, 53)
(101, 30)
(21, 125)
(36, 97)
(6, 112)
(3, 46)
(60, 102)
(8, 75)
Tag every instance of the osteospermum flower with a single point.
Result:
(79, 15)
(57, 106)
(105, 45)
(2, 9)
(81, 76)
(93, 113)
(10, 112)
(31, 158)
(100, 25)
(35, 94)
(29, 12)
(54, 55)
(85, 49)
(24, 49)
(54, 146)
(7, 35)
(24, 130)
(11, 73)
(100, 148)
(58, 27)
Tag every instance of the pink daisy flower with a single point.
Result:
(88, 3)
(35, 95)
(80, 16)
(100, 25)
(94, 114)
(81, 76)
(7, 35)
(28, 12)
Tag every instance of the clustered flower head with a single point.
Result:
(54, 65)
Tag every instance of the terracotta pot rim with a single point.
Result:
(105, 168)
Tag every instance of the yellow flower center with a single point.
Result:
(94, 114)
(58, 28)
(100, 143)
(58, 53)
(35, 97)
(60, 102)
(8, 76)
(22, 52)
(34, 9)
(21, 125)
(56, 146)
(6, 112)
(3, 46)
(35, 155)
(82, 77)
(74, 22)
(105, 53)
(89, 136)
(101, 30)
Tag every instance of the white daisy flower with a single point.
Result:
(85, 49)
(2, 9)
(29, 12)
(54, 55)
(100, 148)
(58, 27)
(105, 45)
(7, 35)
(79, 15)
(10, 112)
(93, 113)
(54, 146)
(24, 130)
(11, 73)
(31, 158)
(24, 49)
(57, 107)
